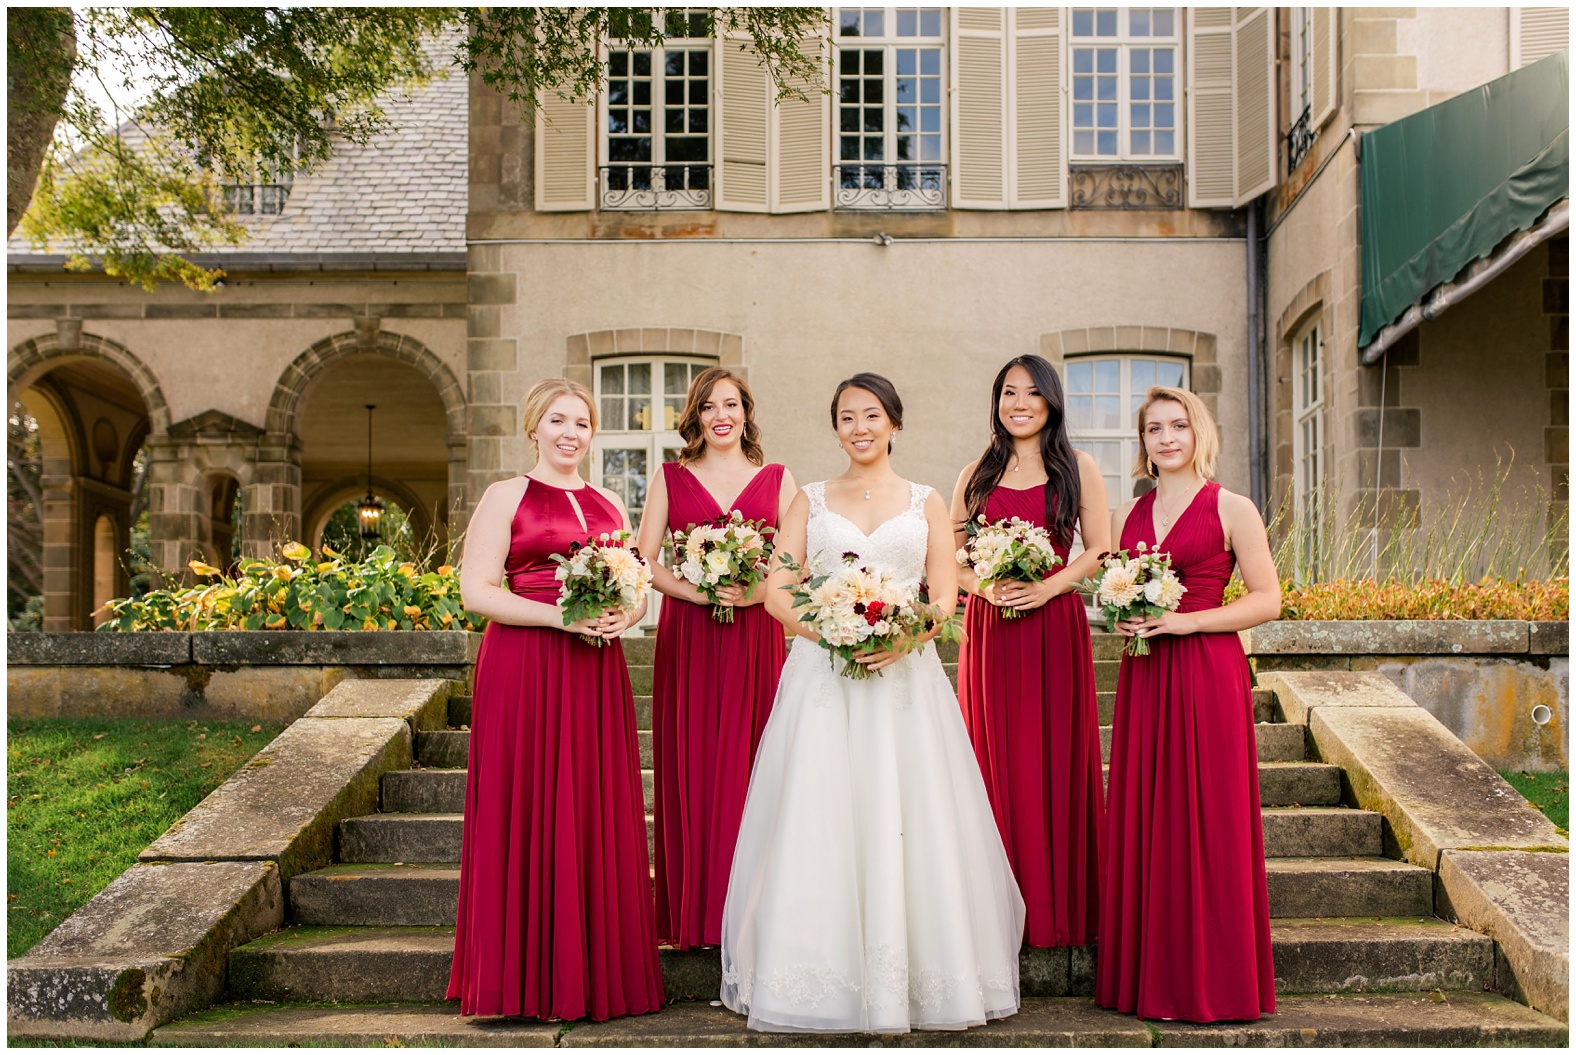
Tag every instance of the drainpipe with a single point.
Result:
(1255, 355)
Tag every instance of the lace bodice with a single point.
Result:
(897, 545)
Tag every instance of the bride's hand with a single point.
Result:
(879, 659)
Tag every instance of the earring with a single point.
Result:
(1151, 462)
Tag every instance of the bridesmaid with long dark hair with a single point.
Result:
(555, 899)
(713, 682)
(1184, 916)
(1026, 684)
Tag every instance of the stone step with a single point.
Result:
(1277, 742)
(1357, 1020)
(460, 712)
(1290, 783)
(443, 748)
(443, 790)
(1303, 887)
(375, 964)
(425, 838)
(426, 894)
(1321, 831)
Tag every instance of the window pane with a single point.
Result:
(907, 21)
(642, 63)
(1165, 143)
(930, 22)
(1083, 60)
(672, 410)
(1107, 375)
(1107, 143)
(1169, 374)
(1080, 376)
(1143, 374)
(618, 64)
(1141, 143)
(875, 24)
(930, 91)
(1083, 22)
(1107, 412)
(1083, 142)
(612, 380)
(873, 63)
(612, 463)
(1138, 24)
(930, 62)
(675, 378)
(1105, 22)
(1105, 60)
(1164, 22)
(673, 64)
(1080, 412)
(907, 60)
(640, 378)
(1165, 60)
(639, 413)
(697, 63)
(848, 23)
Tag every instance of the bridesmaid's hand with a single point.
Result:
(738, 597)
(608, 624)
(994, 592)
(1024, 596)
(1168, 623)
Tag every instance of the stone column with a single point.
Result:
(492, 379)
(175, 534)
(271, 503)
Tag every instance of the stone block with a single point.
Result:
(1548, 638)
(150, 947)
(1401, 637)
(1522, 901)
(1434, 793)
(325, 648)
(98, 649)
(415, 1025)
(268, 694)
(103, 692)
(496, 288)
(284, 804)
(1385, 71)
(254, 311)
(1301, 692)
(492, 354)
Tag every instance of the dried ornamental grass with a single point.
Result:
(1544, 601)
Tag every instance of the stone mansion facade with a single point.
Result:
(1142, 195)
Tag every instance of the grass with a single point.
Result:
(1549, 793)
(85, 796)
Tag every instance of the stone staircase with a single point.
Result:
(1359, 956)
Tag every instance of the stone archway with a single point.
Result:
(96, 404)
(287, 494)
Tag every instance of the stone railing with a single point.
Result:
(221, 675)
(1501, 686)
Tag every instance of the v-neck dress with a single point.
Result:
(712, 692)
(1184, 909)
(554, 917)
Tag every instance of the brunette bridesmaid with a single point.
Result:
(714, 682)
(1026, 684)
(1184, 920)
(555, 900)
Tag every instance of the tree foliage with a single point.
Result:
(250, 95)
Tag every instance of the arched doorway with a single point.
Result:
(84, 406)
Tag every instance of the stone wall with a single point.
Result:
(215, 676)
(1502, 686)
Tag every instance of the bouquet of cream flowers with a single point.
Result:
(599, 574)
(1141, 587)
(728, 551)
(1008, 551)
(856, 609)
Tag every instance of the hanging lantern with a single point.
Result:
(369, 511)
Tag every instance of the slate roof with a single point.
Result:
(402, 194)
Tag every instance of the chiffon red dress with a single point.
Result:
(555, 916)
(1026, 686)
(712, 692)
(1185, 920)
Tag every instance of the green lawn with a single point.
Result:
(85, 796)
(1549, 792)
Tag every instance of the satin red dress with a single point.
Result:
(713, 689)
(1185, 920)
(555, 915)
(1026, 686)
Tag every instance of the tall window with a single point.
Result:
(1301, 61)
(890, 104)
(1124, 82)
(657, 121)
(1308, 362)
(1103, 396)
(640, 402)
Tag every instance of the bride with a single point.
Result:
(870, 890)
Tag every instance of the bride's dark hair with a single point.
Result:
(1061, 466)
(878, 386)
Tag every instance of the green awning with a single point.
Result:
(1446, 185)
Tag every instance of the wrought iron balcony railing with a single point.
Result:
(1125, 187)
(251, 199)
(895, 188)
(644, 187)
(1300, 139)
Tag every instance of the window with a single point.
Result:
(890, 102)
(1308, 433)
(1302, 133)
(1103, 397)
(1124, 83)
(657, 121)
(639, 402)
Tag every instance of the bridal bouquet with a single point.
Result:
(599, 574)
(857, 609)
(1141, 587)
(728, 551)
(1008, 551)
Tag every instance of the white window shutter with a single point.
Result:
(1254, 76)
(1536, 33)
(801, 169)
(565, 156)
(1038, 147)
(1326, 63)
(979, 112)
(743, 108)
(1211, 118)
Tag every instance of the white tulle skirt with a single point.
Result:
(870, 890)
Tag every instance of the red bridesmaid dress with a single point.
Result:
(1185, 919)
(555, 915)
(1026, 686)
(712, 692)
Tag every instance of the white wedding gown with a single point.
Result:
(870, 890)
